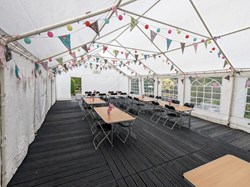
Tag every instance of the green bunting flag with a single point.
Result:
(60, 60)
(97, 59)
(225, 63)
(17, 72)
(169, 41)
(65, 39)
(116, 52)
(133, 23)
(154, 55)
(145, 57)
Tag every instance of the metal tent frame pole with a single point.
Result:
(54, 26)
(160, 50)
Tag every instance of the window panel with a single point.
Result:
(247, 107)
(135, 86)
(149, 86)
(206, 94)
(169, 88)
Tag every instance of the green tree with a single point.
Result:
(73, 87)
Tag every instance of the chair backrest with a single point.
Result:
(155, 103)
(123, 106)
(157, 97)
(133, 111)
(130, 97)
(131, 92)
(151, 96)
(135, 98)
(175, 101)
(190, 105)
(170, 107)
(123, 93)
(89, 94)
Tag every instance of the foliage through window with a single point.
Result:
(247, 108)
(169, 89)
(149, 86)
(135, 86)
(206, 93)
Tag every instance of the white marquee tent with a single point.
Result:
(126, 42)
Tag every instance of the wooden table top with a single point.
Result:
(177, 107)
(96, 100)
(146, 99)
(226, 171)
(115, 116)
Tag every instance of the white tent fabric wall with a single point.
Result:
(24, 109)
(107, 80)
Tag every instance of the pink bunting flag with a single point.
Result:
(247, 84)
(104, 48)
(45, 65)
(73, 54)
(152, 35)
(94, 27)
(114, 8)
(126, 55)
(195, 47)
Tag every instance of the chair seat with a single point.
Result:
(159, 110)
(105, 126)
(125, 124)
(172, 115)
(140, 104)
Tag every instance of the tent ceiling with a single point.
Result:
(221, 17)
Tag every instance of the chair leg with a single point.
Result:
(105, 137)
(151, 119)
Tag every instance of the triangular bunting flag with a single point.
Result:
(139, 62)
(227, 77)
(152, 35)
(105, 61)
(225, 63)
(136, 57)
(45, 65)
(114, 8)
(97, 59)
(85, 48)
(145, 57)
(88, 56)
(60, 60)
(205, 43)
(59, 72)
(182, 80)
(65, 39)
(190, 78)
(116, 52)
(17, 72)
(247, 84)
(126, 55)
(66, 68)
(104, 48)
(73, 56)
(172, 67)
(169, 41)
(219, 53)
(182, 47)
(133, 23)
(154, 55)
(95, 27)
(195, 47)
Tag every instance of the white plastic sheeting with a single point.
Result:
(24, 106)
(107, 80)
(221, 17)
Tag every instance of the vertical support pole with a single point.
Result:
(231, 99)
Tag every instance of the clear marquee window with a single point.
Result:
(149, 86)
(169, 89)
(247, 108)
(206, 93)
(135, 86)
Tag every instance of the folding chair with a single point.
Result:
(157, 111)
(172, 115)
(102, 129)
(127, 126)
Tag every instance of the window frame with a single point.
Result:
(172, 93)
(133, 87)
